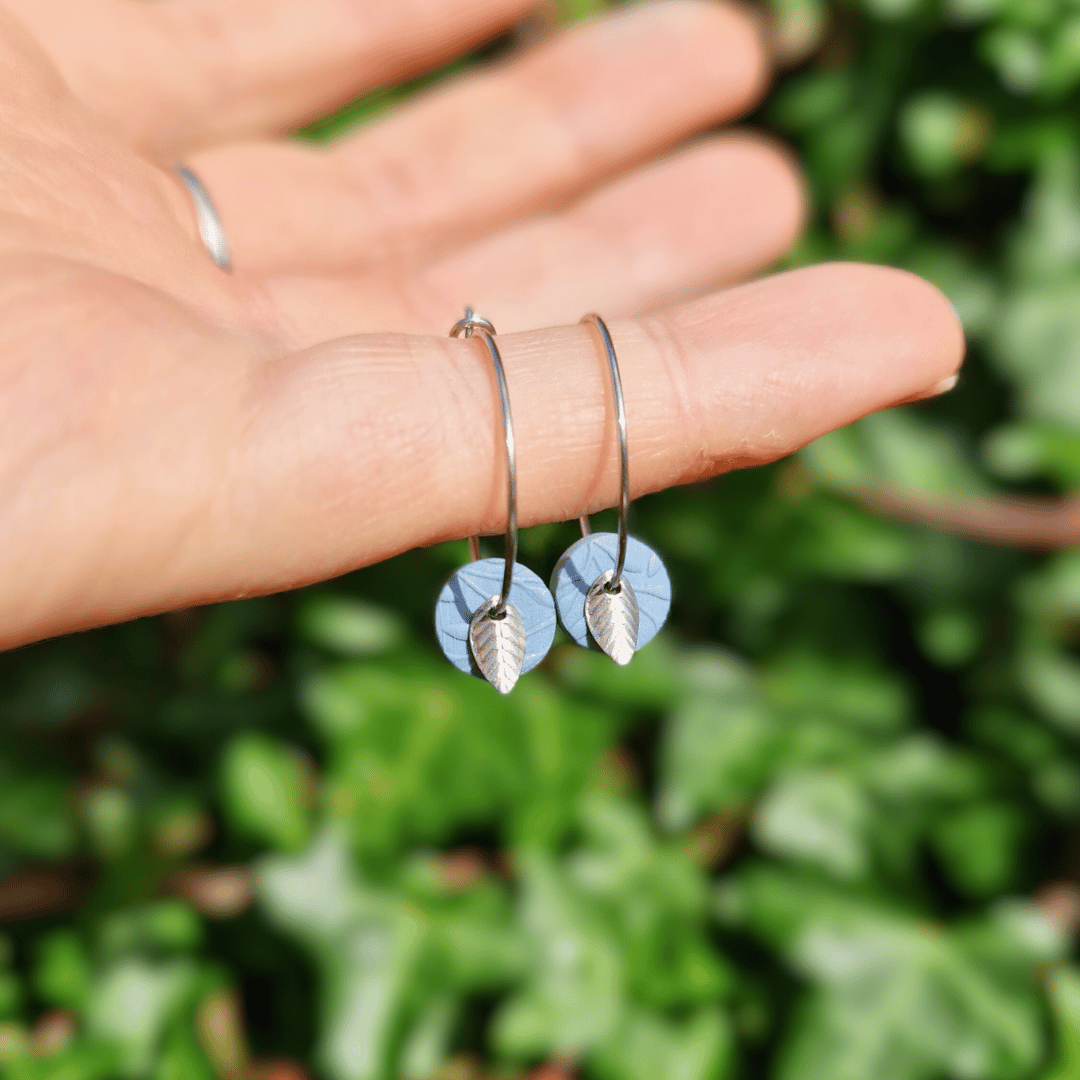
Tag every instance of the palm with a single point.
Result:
(174, 435)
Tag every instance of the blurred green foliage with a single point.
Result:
(824, 828)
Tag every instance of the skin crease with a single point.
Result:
(172, 435)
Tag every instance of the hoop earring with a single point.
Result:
(611, 590)
(497, 635)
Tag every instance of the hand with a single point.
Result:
(172, 435)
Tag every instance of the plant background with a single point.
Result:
(827, 827)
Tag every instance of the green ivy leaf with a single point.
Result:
(896, 996)
(264, 786)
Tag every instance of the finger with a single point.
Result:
(709, 216)
(741, 378)
(494, 146)
(350, 452)
(182, 73)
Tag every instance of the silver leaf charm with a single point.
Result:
(498, 644)
(613, 618)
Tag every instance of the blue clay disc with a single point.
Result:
(586, 560)
(470, 588)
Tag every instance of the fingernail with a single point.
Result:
(938, 388)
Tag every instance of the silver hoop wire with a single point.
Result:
(210, 228)
(474, 324)
(624, 455)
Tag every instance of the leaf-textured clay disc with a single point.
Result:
(613, 617)
(470, 588)
(586, 560)
(498, 644)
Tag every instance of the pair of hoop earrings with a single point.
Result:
(496, 619)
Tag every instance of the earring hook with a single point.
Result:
(467, 327)
(624, 454)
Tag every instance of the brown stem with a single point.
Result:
(1024, 522)
(32, 893)
(554, 1070)
(220, 892)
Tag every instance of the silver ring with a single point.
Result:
(475, 324)
(620, 422)
(210, 227)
